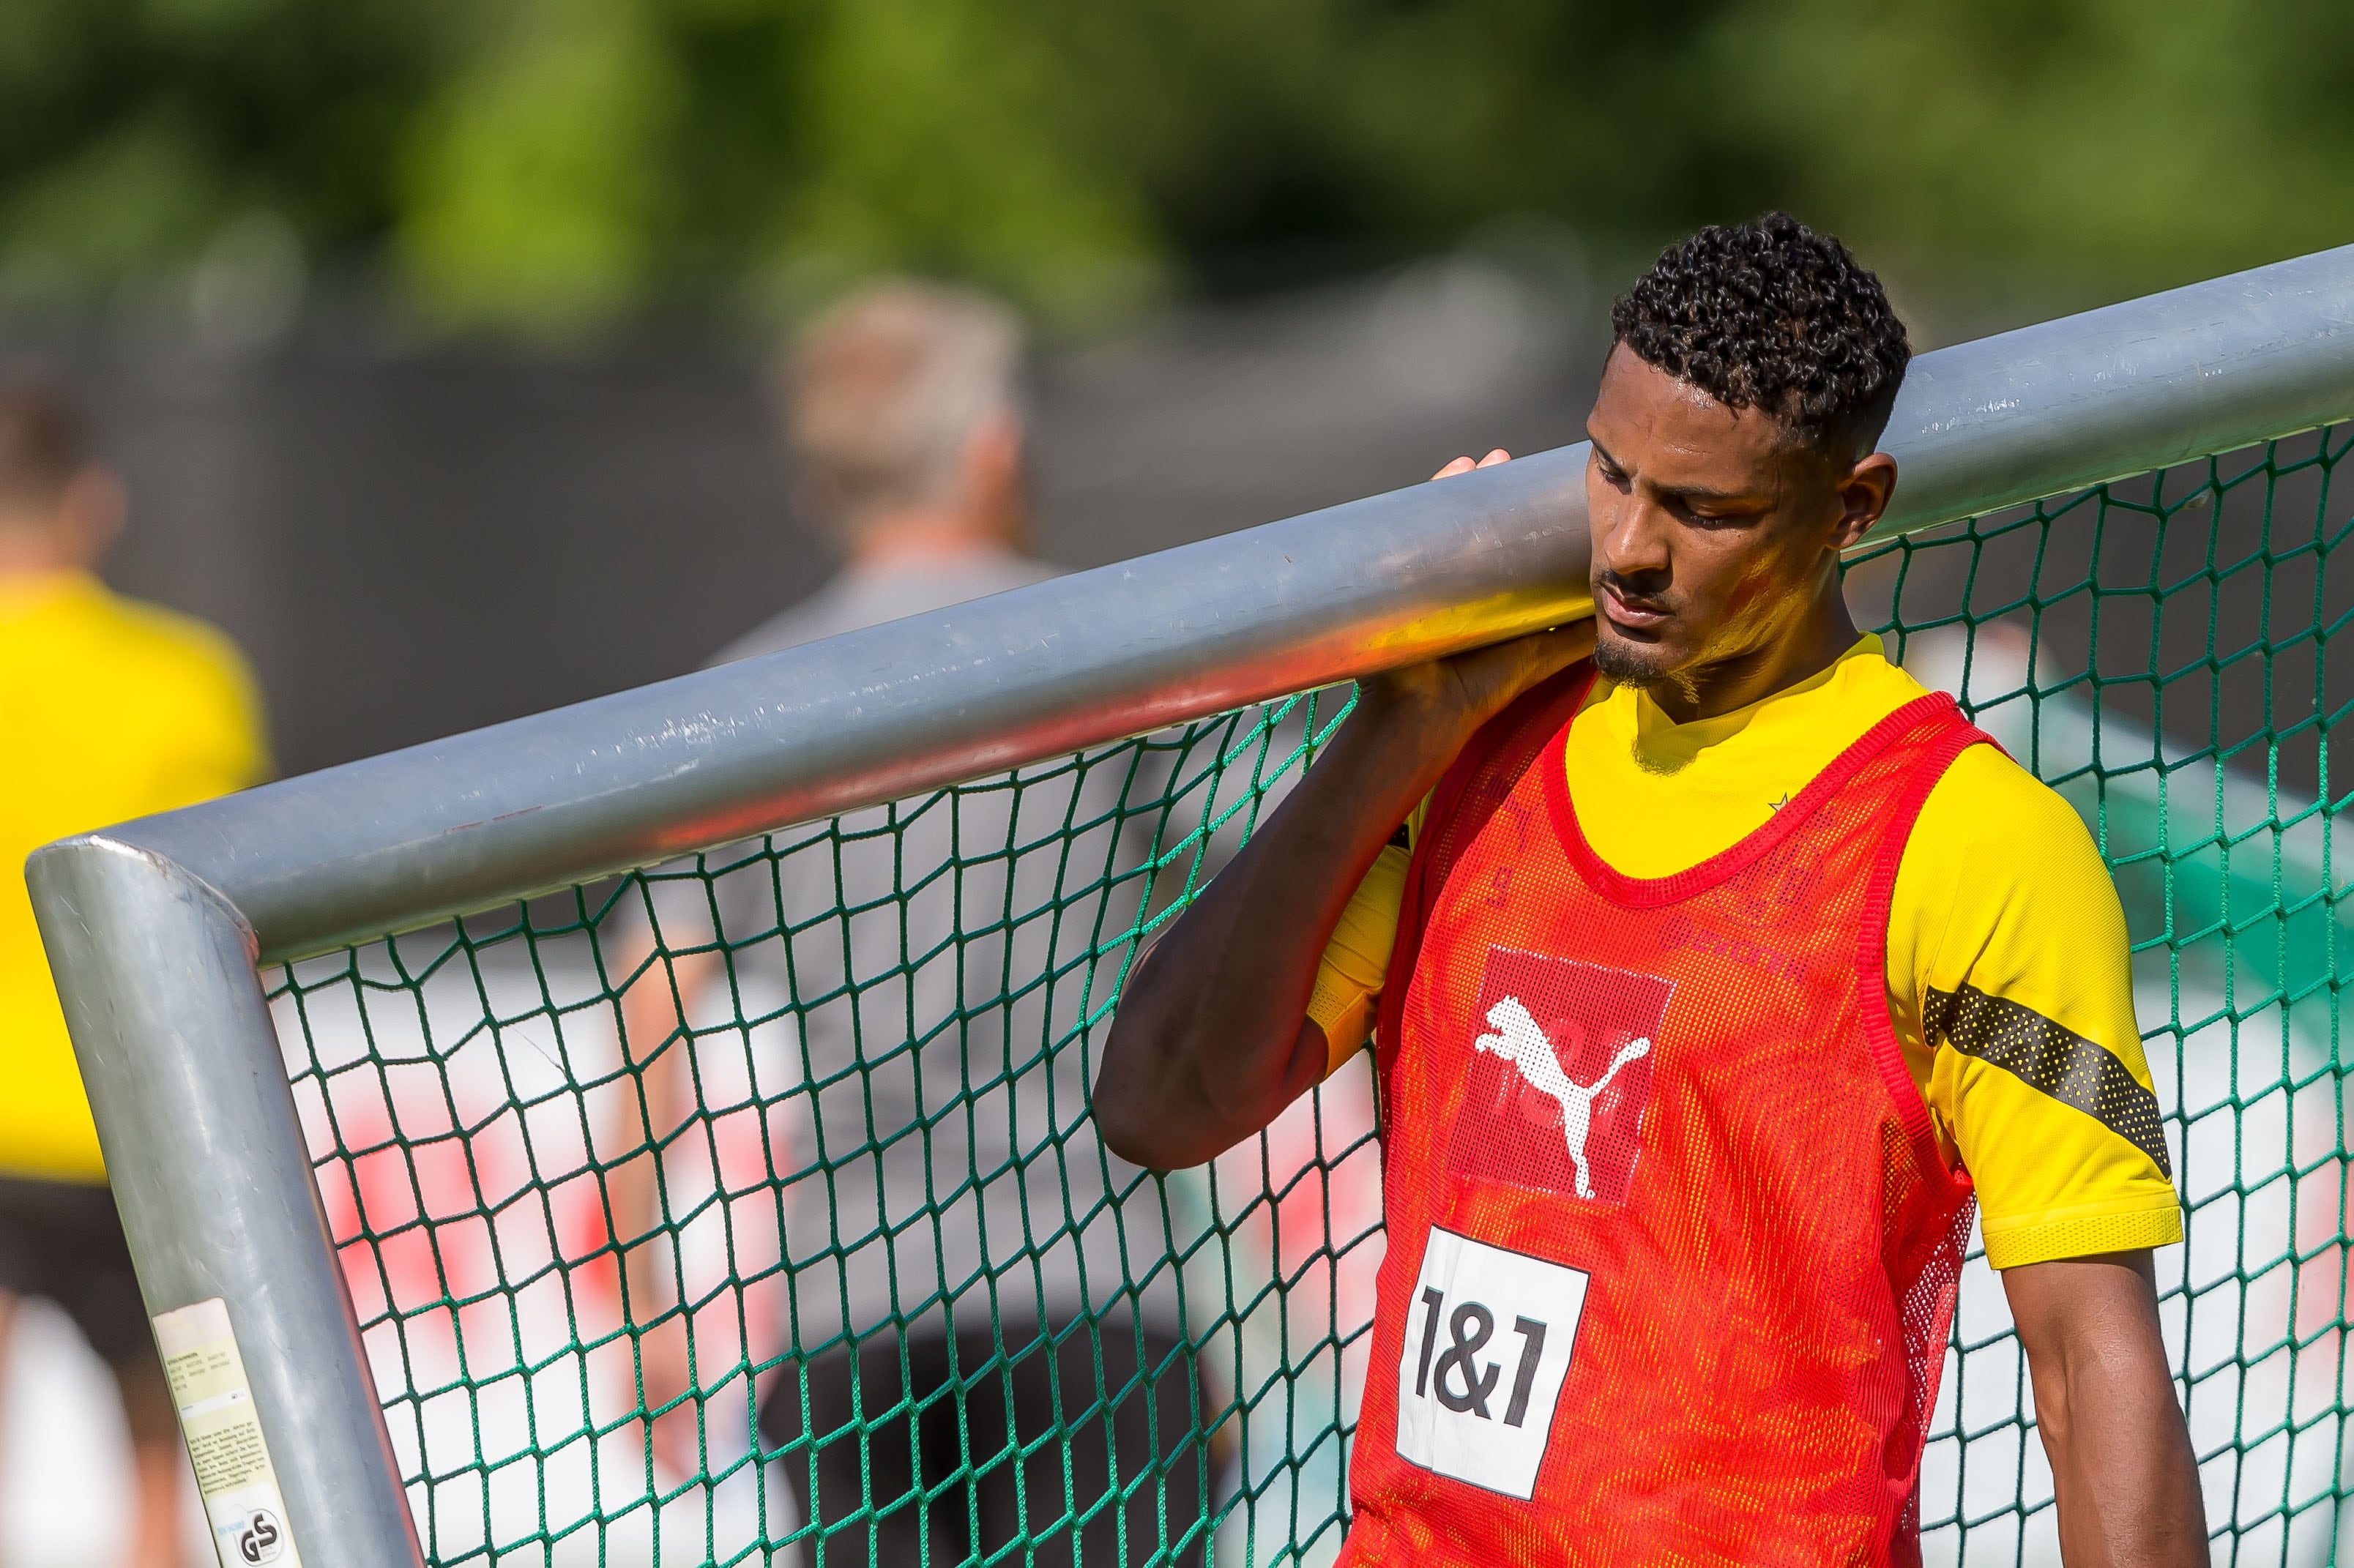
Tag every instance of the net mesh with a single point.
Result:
(747, 1208)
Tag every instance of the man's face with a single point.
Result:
(1715, 533)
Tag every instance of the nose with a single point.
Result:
(1632, 543)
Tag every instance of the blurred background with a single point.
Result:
(430, 334)
(433, 336)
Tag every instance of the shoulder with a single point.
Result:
(1021, 571)
(2002, 887)
(853, 601)
(1991, 812)
(166, 691)
(166, 645)
(805, 623)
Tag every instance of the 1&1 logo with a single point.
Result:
(264, 1540)
(1488, 1421)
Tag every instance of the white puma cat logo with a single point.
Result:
(1518, 1040)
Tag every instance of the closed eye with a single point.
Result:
(1712, 514)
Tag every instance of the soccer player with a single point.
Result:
(935, 1256)
(111, 709)
(1712, 981)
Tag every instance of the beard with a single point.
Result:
(1629, 663)
(1637, 664)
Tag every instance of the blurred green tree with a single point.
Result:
(550, 165)
(133, 133)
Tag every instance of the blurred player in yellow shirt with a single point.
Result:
(111, 709)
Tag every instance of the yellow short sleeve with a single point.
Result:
(2009, 970)
(1348, 976)
(1357, 959)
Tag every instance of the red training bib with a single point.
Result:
(1672, 1249)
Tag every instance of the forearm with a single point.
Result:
(1212, 1041)
(657, 1099)
(2123, 1475)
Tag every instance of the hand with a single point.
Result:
(1463, 691)
(1464, 466)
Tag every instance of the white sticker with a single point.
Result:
(1488, 1338)
(225, 1445)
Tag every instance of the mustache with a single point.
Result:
(1637, 598)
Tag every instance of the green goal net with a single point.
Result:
(747, 1208)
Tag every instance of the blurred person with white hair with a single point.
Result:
(111, 709)
(970, 1276)
(903, 408)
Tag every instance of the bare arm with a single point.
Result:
(2123, 1470)
(1212, 1039)
(661, 1098)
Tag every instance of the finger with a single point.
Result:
(1461, 465)
(1494, 457)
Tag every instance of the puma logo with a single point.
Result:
(1518, 1040)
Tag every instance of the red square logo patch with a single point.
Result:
(1560, 1073)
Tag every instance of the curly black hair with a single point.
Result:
(1769, 314)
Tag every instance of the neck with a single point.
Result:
(914, 537)
(32, 553)
(1809, 645)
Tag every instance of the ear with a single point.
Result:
(90, 514)
(1863, 494)
(995, 478)
(994, 455)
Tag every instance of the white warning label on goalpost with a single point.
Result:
(224, 1434)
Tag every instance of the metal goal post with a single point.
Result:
(179, 941)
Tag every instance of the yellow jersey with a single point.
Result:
(111, 709)
(2005, 929)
